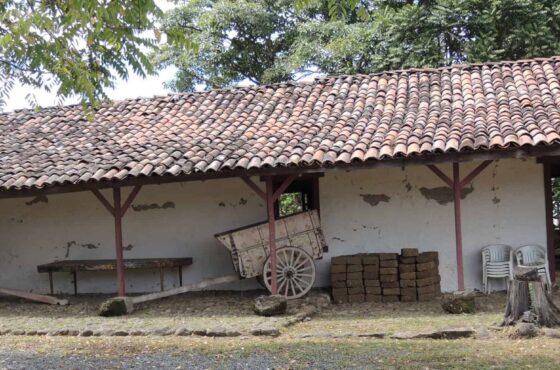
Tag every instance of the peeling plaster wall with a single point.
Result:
(407, 208)
(362, 211)
(173, 220)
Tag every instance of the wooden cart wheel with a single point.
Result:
(295, 272)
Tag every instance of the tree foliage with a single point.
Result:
(237, 40)
(267, 41)
(77, 47)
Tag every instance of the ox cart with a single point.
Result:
(299, 242)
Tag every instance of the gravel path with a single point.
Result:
(20, 360)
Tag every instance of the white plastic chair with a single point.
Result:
(534, 256)
(497, 263)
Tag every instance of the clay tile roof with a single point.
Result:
(330, 121)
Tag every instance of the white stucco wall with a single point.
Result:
(179, 220)
(505, 207)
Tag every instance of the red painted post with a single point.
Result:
(271, 232)
(458, 231)
(118, 240)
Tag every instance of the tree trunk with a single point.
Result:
(527, 293)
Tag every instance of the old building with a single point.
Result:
(385, 157)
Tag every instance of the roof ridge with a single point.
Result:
(293, 83)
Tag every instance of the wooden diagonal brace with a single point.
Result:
(254, 186)
(130, 199)
(104, 201)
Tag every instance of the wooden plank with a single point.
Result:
(109, 265)
(186, 288)
(34, 297)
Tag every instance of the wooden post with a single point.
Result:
(270, 196)
(271, 233)
(550, 246)
(118, 210)
(458, 228)
(119, 241)
(456, 185)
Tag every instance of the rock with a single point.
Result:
(86, 333)
(18, 332)
(138, 333)
(459, 303)
(73, 333)
(183, 332)
(525, 330)
(452, 333)
(31, 332)
(551, 333)
(120, 333)
(163, 332)
(265, 331)
(372, 335)
(271, 305)
(405, 335)
(201, 332)
(232, 333)
(116, 307)
(58, 333)
(216, 332)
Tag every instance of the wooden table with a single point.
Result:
(74, 266)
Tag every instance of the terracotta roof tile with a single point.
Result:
(330, 121)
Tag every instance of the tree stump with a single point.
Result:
(528, 299)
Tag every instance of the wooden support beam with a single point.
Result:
(104, 201)
(254, 186)
(34, 297)
(458, 226)
(474, 173)
(283, 187)
(271, 233)
(186, 288)
(456, 185)
(441, 175)
(119, 241)
(130, 199)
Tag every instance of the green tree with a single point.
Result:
(237, 40)
(267, 41)
(77, 47)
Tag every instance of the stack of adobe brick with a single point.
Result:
(389, 276)
(419, 275)
(385, 277)
(428, 281)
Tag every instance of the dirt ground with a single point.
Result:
(195, 311)
(233, 311)
(338, 337)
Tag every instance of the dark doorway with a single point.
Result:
(551, 170)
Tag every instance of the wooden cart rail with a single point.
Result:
(73, 266)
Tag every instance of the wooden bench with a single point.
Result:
(74, 266)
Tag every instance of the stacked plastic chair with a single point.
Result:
(497, 263)
(534, 256)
